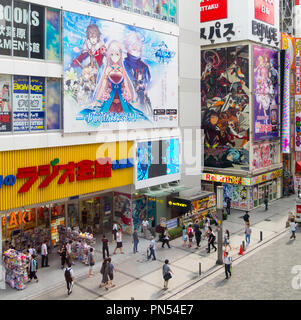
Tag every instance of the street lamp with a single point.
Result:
(219, 210)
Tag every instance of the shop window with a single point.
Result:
(53, 104)
(20, 29)
(43, 219)
(5, 104)
(37, 33)
(53, 35)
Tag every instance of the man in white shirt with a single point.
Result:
(228, 264)
(145, 226)
(44, 253)
(152, 248)
(293, 229)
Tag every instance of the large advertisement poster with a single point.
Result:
(298, 123)
(123, 211)
(157, 162)
(117, 76)
(266, 93)
(21, 103)
(37, 104)
(225, 107)
(5, 103)
(238, 195)
(264, 155)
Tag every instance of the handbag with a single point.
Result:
(167, 276)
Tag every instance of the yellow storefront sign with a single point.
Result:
(29, 177)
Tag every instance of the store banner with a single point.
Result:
(225, 106)
(21, 103)
(266, 93)
(265, 155)
(288, 44)
(298, 123)
(224, 21)
(298, 66)
(118, 76)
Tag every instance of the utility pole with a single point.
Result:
(219, 210)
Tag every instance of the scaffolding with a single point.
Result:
(287, 16)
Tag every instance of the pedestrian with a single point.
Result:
(30, 249)
(91, 261)
(293, 229)
(135, 240)
(89, 229)
(166, 273)
(227, 240)
(69, 277)
(114, 231)
(111, 272)
(118, 242)
(266, 201)
(166, 238)
(197, 233)
(206, 227)
(144, 226)
(228, 207)
(69, 251)
(153, 227)
(105, 274)
(28, 258)
(184, 236)
(228, 264)
(44, 253)
(105, 247)
(190, 235)
(246, 218)
(248, 232)
(152, 248)
(84, 218)
(211, 239)
(63, 254)
(33, 269)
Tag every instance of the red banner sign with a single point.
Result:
(264, 11)
(213, 10)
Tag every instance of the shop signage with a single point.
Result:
(298, 123)
(267, 177)
(81, 171)
(298, 66)
(213, 10)
(264, 11)
(16, 218)
(173, 223)
(177, 203)
(221, 178)
(298, 209)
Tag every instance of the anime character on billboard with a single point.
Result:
(225, 107)
(93, 48)
(137, 70)
(116, 3)
(106, 2)
(4, 98)
(115, 90)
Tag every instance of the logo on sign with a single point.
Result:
(264, 11)
(213, 10)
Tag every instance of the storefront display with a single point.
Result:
(123, 211)
(15, 264)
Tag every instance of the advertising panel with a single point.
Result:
(123, 211)
(127, 4)
(53, 38)
(288, 44)
(238, 195)
(137, 6)
(173, 10)
(256, 20)
(164, 9)
(5, 103)
(264, 155)
(298, 123)
(157, 162)
(53, 103)
(37, 104)
(117, 76)
(21, 103)
(147, 7)
(225, 107)
(298, 66)
(139, 211)
(266, 93)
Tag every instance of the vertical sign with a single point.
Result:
(264, 11)
(298, 123)
(285, 137)
(298, 67)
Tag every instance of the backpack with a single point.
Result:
(190, 234)
(246, 218)
(68, 275)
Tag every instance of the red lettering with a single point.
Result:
(29, 172)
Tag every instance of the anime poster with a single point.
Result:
(139, 212)
(239, 196)
(5, 103)
(138, 6)
(264, 155)
(173, 11)
(53, 103)
(37, 104)
(117, 76)
(147, 7)
(116, 3)
(127, 4)
(225, 107)
(53, 37)
(156, 8)
(21, 103)
(164, 9)
(123, 211)
(266, 95)
(228, 188)
(105, 2)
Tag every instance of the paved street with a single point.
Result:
(265, 275)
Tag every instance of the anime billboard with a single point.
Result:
(264, 155)
(225, 107)
(117, 76)
(266, 94)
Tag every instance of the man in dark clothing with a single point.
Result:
(266, 201)
(228, 208)
(69, 277)
(84, 218)
(105, 247)
(153, 226)
(197, 233)
(246, 217)
(211, 240)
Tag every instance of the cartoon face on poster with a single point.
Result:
(225, 107)
(264, 155)
(266, 95)
(139, 212)
(117, 76)
(123, 210)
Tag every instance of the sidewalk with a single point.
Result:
(141, 279)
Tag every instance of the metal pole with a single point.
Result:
(200, 268)
(219, 210)
(243, 246)
(261, 236)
